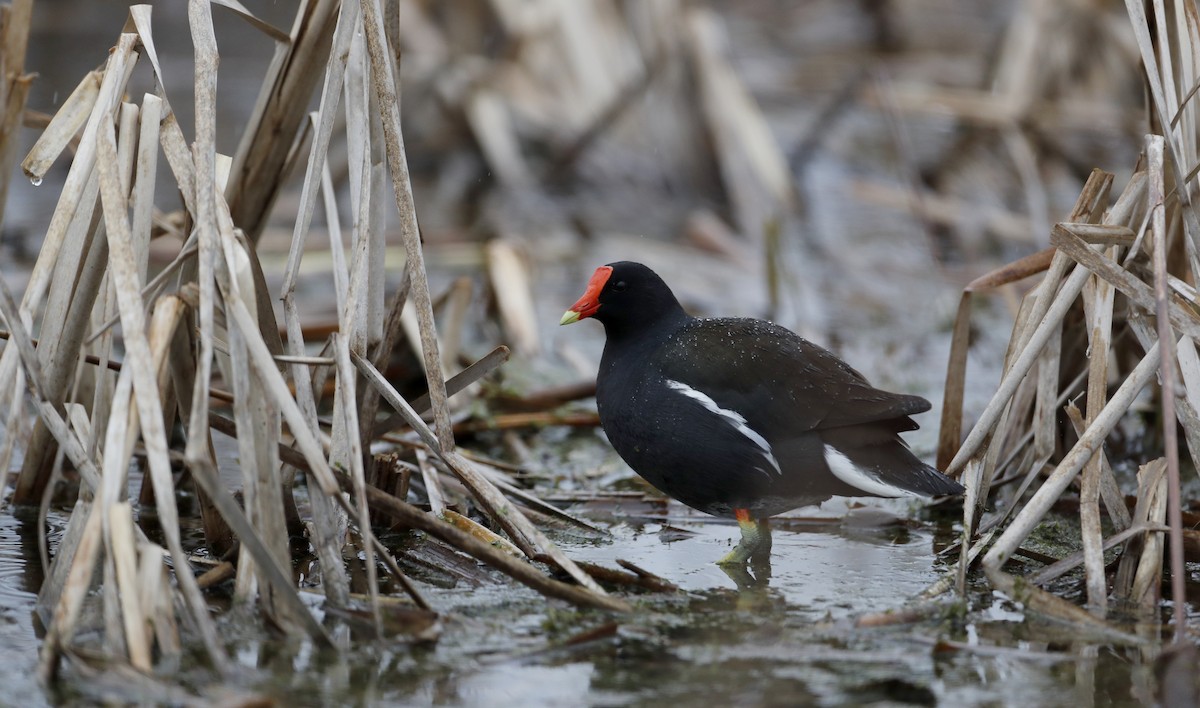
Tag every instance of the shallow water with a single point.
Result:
(20, 577)
(791, 642)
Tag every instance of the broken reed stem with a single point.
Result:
(354, 306)
(353, 440)
(70, 602)
(1139, 576)
(12, 421)
(259, 165)
(64, 126)
(1099, 341)
(954, 390)
(1181, 316)
(327, 517)
(116, 73)
(195, 173)
(121, 544)
(433, 486)
(388, 103)
(1110, 491)
(147, 169)
(1166, 338)
(329, 520)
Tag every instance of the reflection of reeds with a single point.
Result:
(1112, 257)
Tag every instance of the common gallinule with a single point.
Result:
(741, 418)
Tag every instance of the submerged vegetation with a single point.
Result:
(251, 386)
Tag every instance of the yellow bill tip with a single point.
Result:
(569, 317)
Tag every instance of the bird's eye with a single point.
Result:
(619, 286)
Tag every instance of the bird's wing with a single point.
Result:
(777, 380)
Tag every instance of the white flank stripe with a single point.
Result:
(860, 479)
(737, 420)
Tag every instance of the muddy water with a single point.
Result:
(790, 641)
(20, 578)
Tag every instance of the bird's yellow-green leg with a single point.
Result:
(755, 544)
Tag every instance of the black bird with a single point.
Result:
(742, 418)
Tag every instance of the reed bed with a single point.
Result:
(1107, 334)
(135, 369)
(122, 360)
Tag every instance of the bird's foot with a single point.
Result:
(755, 546)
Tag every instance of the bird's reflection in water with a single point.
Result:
(749, 578)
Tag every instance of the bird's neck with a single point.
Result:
(649, 325)
(639, 339)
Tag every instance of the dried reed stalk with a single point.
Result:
(123, 269)
(63, 127)
(66, 237)
(383, 83)
(15, 20)
(1167, 373)
(256, 174)
(328, 520)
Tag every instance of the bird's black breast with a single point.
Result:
(669, 434)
